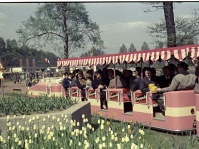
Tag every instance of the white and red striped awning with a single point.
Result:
(165, 53)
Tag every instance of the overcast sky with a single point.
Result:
(120, 23)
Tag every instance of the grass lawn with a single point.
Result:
(170, 141)
(162, 139)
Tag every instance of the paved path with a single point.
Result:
(8, 87)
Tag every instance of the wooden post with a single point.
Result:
(141, 60)
(115, 77)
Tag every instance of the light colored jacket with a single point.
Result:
(121, 83)
(182, 81)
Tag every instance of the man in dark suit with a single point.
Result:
(148, 79)
(66, 81)
(166, 78)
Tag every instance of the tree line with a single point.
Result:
(11, 53)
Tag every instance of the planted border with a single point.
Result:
(18, 104)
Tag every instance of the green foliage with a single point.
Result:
(123, 49)
(159, 44)
(62, 25)
(93, 52)
(145, 46)
(132, 48)
(187, 30)
(23, 105)
(10, 54)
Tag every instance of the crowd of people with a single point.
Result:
(174, 78)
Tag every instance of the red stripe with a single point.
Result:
(155, 56)
(144, 58)
(180, 54)
(136, 59)
(195, 52)
(166, 56)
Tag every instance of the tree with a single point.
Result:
(123, 49)
(159, 44)
(93, 52)
(2, 44)
(145, 46)
(11, 44)
(187, 29)
(66, 24)
(170, 24)
(169, 21)
(11, 54)
(132, 48)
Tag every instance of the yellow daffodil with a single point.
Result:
(119, 146)
(79, 143)
(112, 137)
(16, 139)
(8, 117)
(9, 124)
(77, 123)
(71, 142)
(134, 146)
(141, 131)
(126, 139)
(103, 138)
(103, 144)
(141, 145)
(110, 144)
(37, 117)
(19, 143)
(107, 123)
(102, 126)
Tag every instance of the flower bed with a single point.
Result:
(69, 128)
(34, 134)
(18, 104)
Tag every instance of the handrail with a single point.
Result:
(164, 99)
(132, 98)
(147, 99)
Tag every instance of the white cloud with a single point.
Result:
(2, 15)
(17, 4)
(186, 16)
(121, 27)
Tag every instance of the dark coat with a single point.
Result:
(96, 82)
(163, 82)
(73, 83)
(80, 86)
(136, 84)
(66, 83)
(144, 84)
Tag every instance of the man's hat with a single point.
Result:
(99, 72)
(183, 65)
